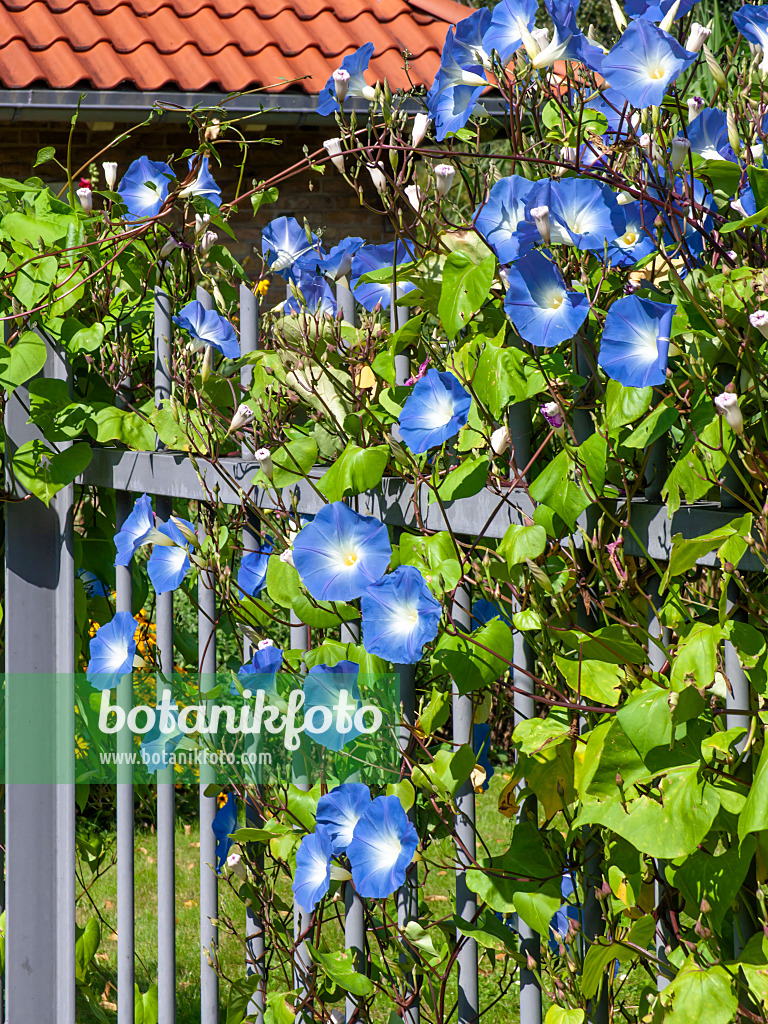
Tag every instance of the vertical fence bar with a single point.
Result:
(466, 901)
(125, 807)
(299, 772)
(209, 892)
(40, 803)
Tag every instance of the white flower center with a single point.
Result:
(389, 849)
(440, 413)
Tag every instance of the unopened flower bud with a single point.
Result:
(733, 132)
(624, 198)
(540, 215)
(85, 195)
(695, 106)
(110, 174)
(680, 149)
(168, 246)
(668, 20)
(500, 440)
(236, 866)
(727, 406)
(213, 130)
(205, 372)
(378, 177)
(551, 413)
(541, 37)
(335, 152)
(264, 458)
(419, 128)
(444, 175)
(759, 321)
(201, 222)
(209, 238)
(243, 416)
(341, 83)
(714, 68)
(263, 644)
(697, 36)
(287, 556)
(413, 195)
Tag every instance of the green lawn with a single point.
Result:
(438, 893)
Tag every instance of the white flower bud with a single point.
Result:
(201, 222)
(168, 246)
(444, 175)
(759, 320)
(341, 83)
(110, 174)
(243, 416)
(378, 177)
(540, 216)
(213, 130)
(623, 198)
(668, 20)
(727, 406)
(680, 150)
(413, 195)
(697, 36)
(287, 556)
(264, 458)
(236, 866)
(568, 154)
(209, 238)
(419, 128)
(541, 38)
(263, 644)
(695, 106)
(335, 152)
(85, 195)
(500, 440)
(738, 206)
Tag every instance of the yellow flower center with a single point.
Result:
(630, 238)
(350, 558)
(556, 302)
(657, 72)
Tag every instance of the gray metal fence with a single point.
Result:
(40, 628)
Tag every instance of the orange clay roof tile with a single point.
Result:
(218, 44)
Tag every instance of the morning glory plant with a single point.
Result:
(538, 303)
(635, 242)
(644, 63)
(337, 262)
(400, 616)
(283, 242)
(261, 671)
(635, 341)
(434, 412)
(708, 136)
(455, 90)
(112, 650)
(340, 810)
(169, 562)
(203, 185)
(368, 258)
(356, 86)
(224, 824)
(341, 553)
(252, 574)
(503, 34)
(144, 187)
(752, 21)
(581, 212)
(207, 327)
(135, 531)
(383, 844)
(312, 878)
(502, 221)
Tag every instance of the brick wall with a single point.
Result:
(324, 199)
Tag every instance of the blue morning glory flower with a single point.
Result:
(252, 574)
(708, 136)
(203, 185)
(635, 341)
(582, 212)
(355, 65)
(169, 562)
(644, 63)
(341, 553)
(338, 262)
(539, 305)
(502, 220)
(567, 912)
(503, 33)
(400, 615)
(746, 204)
(324, 686)
(315, 293)
(92, 585)
(653, 10)
(435, 411)
(261, 672)
(157, 746)
(111, 652)
(635, 243)
(224, 823)
(468, 48)
(207, 327)
(484, 611)
(144, 187)
(313, 869)
(454, 92)
(377, 257)
(283, 242)
(383, 845)
(135, 530)
(340, 810)
(577, 46)
(752, 21)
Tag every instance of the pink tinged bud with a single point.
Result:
(341, 83)
(264, 458)
(236, 866)
(504, 276)
(680, 149)
(110, 174)
(540, 216)
(759, 321)
(413, 195)
(444, 175)
(419, 129)
(695, 106)
(501, 441)
(263, 644)
(697, 36)
(727, 406)
(541, 37)
(85, 195)
(242, 418)
(551, 413)
(335, 152)
(209, 238)
(287, 556)
(378, 177)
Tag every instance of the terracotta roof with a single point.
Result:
(226, 44)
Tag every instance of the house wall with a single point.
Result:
(326, 200)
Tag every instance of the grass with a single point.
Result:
(101, 898)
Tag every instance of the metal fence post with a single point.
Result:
(40, 796)
(302, 962)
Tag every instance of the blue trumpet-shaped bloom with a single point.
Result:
(283, 242)
(315, 295)
(582, 212)
(635, 243)
(503, 33)
(112, 650)
(261, 672)
(157, 746)
(355, 65)
(207, 327)
(340, 810)
(135, 530)
(338, 262)
(655, 10)
(252, 574)
(144, 187)
(341, 553)
(577, 46)
(327, 689)
(169, 563)
(455, 90)
(313, 869)
(752, 21)
(502, 220)
(400, 615)
(746, 204)
(468, 48)
(435, 411)
(203, 185)
(644, 63)
(635, 341)
(382, 847)
(539, 305)
(377, 257)
(224, 823)
(708, 136)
